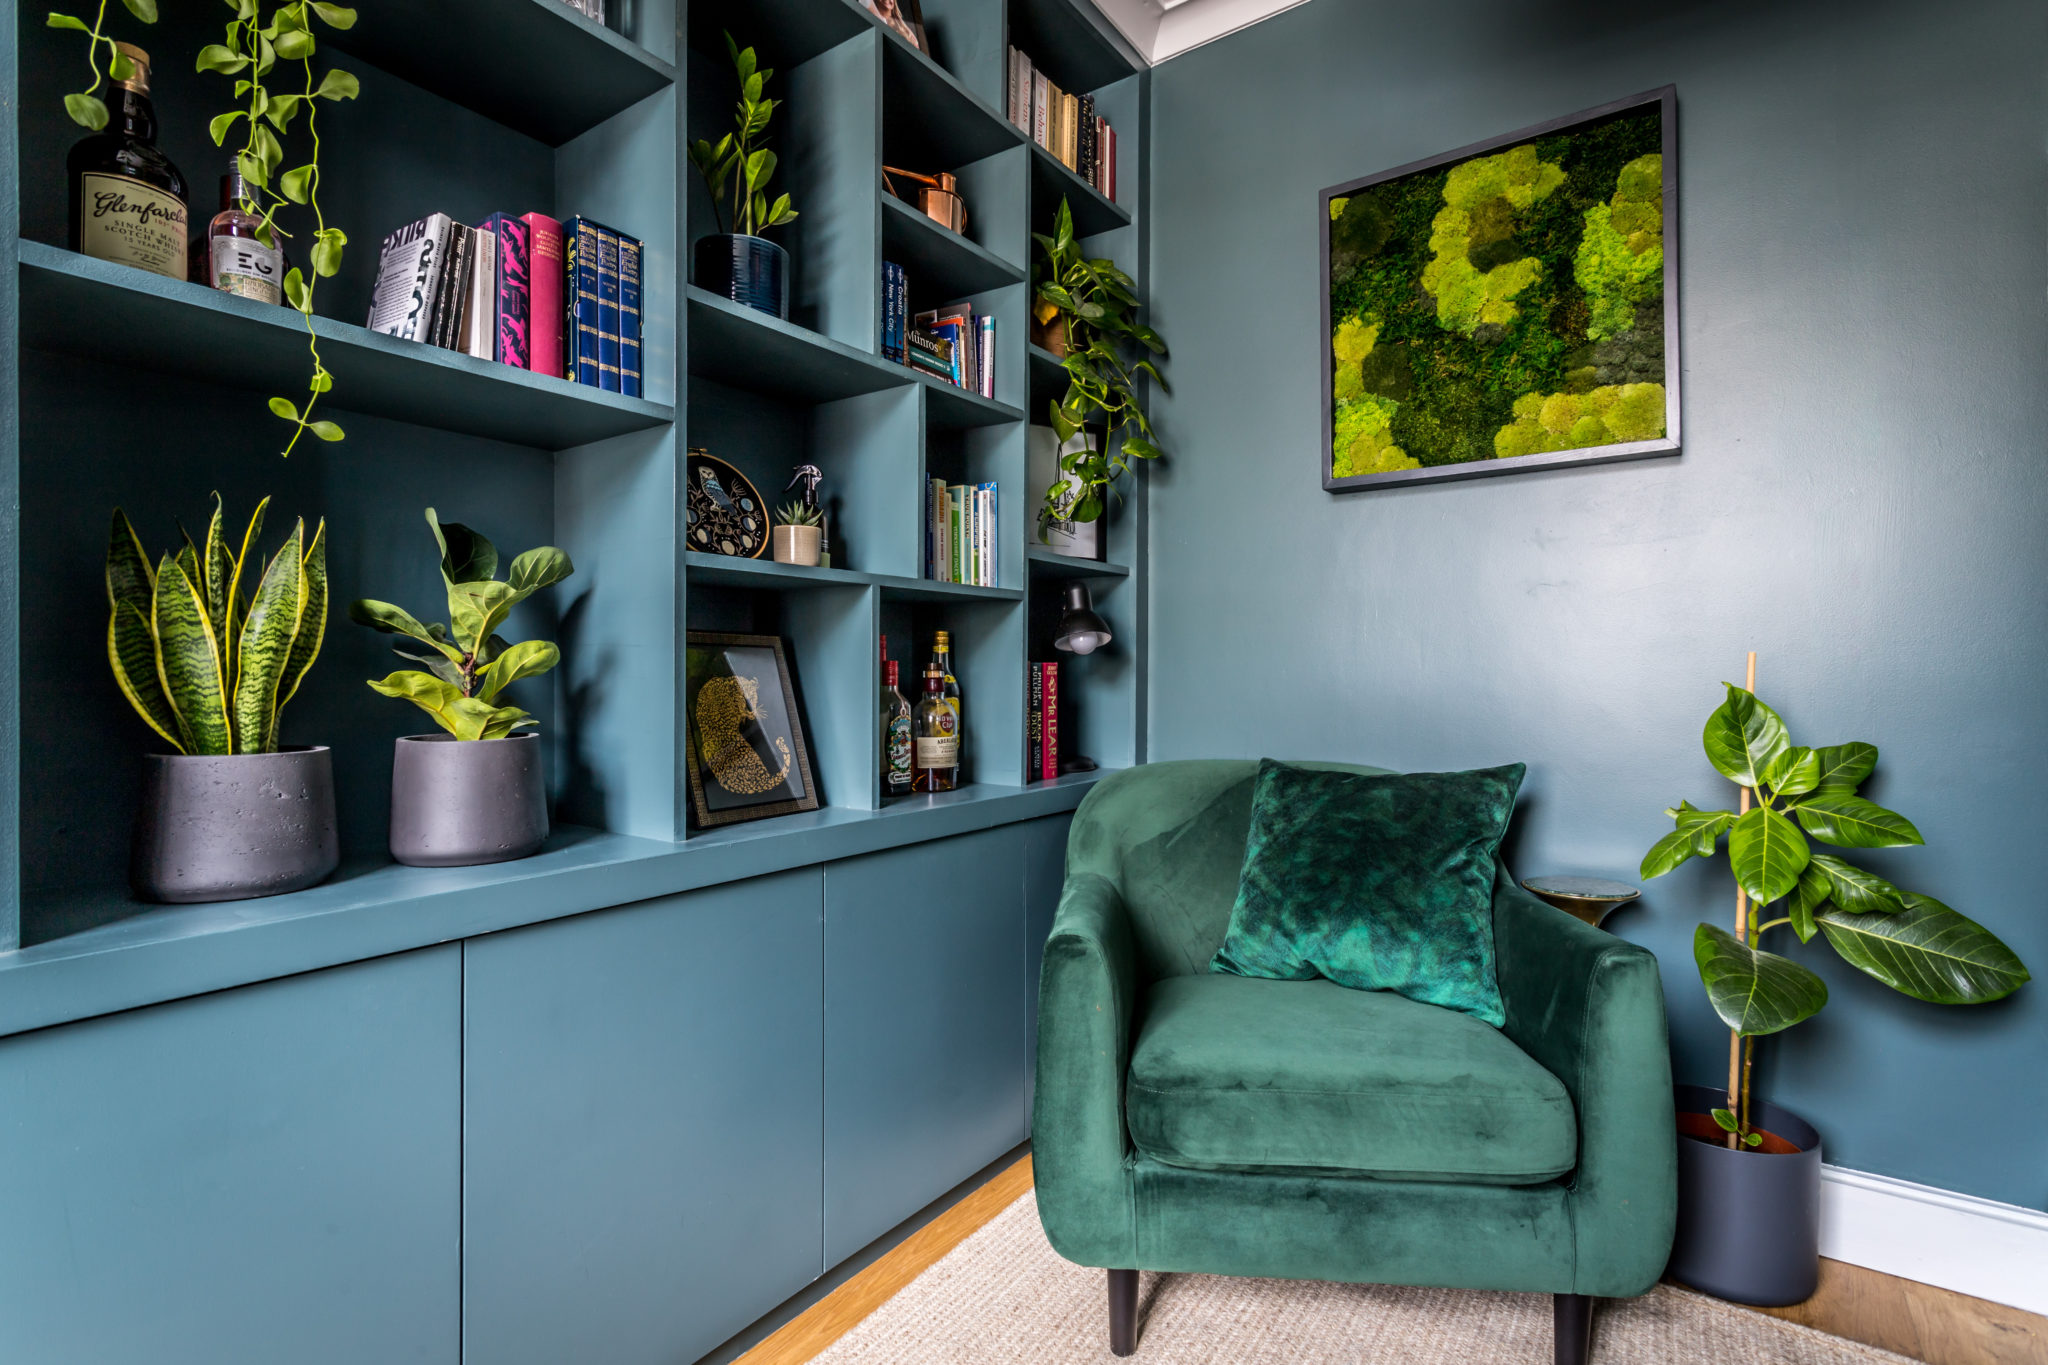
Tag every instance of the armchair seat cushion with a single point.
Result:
(1245, 1074)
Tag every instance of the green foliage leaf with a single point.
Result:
(1669, 852)
(1927, 951)
(145, 10)
(1848, 821)
(1767, 853)
(462, 717)
(266, 646)
(1754, 992)
(1752, 1139)
(295, 183)
(214, 57)
(466, 555)
(1725, 1119)
(527, 659)
(295, 291)
(1794, 771)
(131, 646)
(56, 20)
(1809, 896)
(382, 616)
(220, 125)
(86, 111)
(1857, 892)
(1844, 766)
(119, 67)
(327, 249)
(285, 408)
(295, 46)
(326, 431)
(537, 569)
(188, 662)
(1743, 737)
(312, 630)
(338, 85)
(335, 16)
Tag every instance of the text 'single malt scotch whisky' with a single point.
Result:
(127, 199)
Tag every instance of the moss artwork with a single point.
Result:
(1510, 304)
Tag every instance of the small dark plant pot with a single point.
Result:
(1748, 1221)
(232, 827)
(748, 270)
(457, 803)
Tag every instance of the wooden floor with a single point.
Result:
(833, 1316)
(1933, 1325)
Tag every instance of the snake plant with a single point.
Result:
(470, 664)
(205, 661)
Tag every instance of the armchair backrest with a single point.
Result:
(1170, 837)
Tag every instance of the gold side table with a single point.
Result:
(1589, 898)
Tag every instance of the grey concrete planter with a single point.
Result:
(456, 803)
(234, 826)
(1748, 1222)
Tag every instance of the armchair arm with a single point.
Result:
(1590, 1008)
(1078, 1140)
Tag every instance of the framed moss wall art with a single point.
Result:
(1508, 306)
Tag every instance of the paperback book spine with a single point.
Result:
(579, 301)
(607, 310)
(544, 295)
(1020, 90)
(985, 354)
(956, 529)
(990, 569)
(1034, 718)
(480, 307)
(448, 297)
(511, 344)
(1041, 107)
(1086, 158)
(1049, 728)
(408, 276)
(629, 316)
(1111, 191)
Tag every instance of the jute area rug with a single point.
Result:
(1005, 1296)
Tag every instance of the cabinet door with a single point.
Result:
(924, 1026)
(1045, 878)
(265, 1174)
(642, 1157)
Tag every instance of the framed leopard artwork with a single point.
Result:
(747, 758)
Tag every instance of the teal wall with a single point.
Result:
(1861, 500)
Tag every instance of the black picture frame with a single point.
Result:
(748, 759)
(1666, 99)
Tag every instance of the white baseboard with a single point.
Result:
(1956, 1241)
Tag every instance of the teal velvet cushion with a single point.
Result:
(1235, 1074)
(1381, 883)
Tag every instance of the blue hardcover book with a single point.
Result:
(629, 316)
(579, 296)
(895, 312)
(607, 310)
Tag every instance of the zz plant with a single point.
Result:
(257, 40)
(207, 651)
(738, 164)
(1097, 306)
(1910, 942)
(469, 664)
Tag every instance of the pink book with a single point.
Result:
(544, 316)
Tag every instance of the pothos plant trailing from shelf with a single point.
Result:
(1910, 942)
(1091, 309)
(85, 107)
(255, 45)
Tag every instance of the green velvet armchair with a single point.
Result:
(1193, 1121)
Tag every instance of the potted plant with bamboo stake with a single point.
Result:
(1749, 1182)
(739, 263)
(1087, 310)
(208, 652)
(473, 795)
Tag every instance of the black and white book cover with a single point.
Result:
(409, 273)
(447, 330)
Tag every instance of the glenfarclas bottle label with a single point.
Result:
(125, 220)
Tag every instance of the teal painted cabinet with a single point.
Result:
(924, 1026)
(642, 1155)
(267, 1174)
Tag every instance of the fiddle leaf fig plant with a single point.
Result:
(468, 664)
(206, 650)
(1095, 306)
(738, 164)
(1910, 942)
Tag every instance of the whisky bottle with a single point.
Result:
(237, 262)
(127, 199)
(942, 659)
(937, 748)
(897, 740)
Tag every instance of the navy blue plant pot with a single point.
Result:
(1748, 1221)
(748, 270)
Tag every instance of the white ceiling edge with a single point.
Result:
(1161, 29)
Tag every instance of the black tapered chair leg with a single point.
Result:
(1123, 1312)
(1574, 1313)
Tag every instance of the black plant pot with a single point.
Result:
(457, 803)
(748, 270)
(1748, 1221)
(233, 827)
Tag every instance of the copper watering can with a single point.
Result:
(940, 199)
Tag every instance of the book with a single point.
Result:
(448, 298)
(1044, 724)
(1070, 131)
(985, 534)
(985, 354)
(629, 315)
(510, 338)
(894, 303)
(955, 323)
(1109, 179)
(940, 543)
(579, 302)
(480, 298)
(1020, 90)
(607, 310)
(1040, 106)
(544, 294)
(1084, 160)
(409, 269)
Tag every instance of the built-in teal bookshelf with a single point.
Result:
(141, 392)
